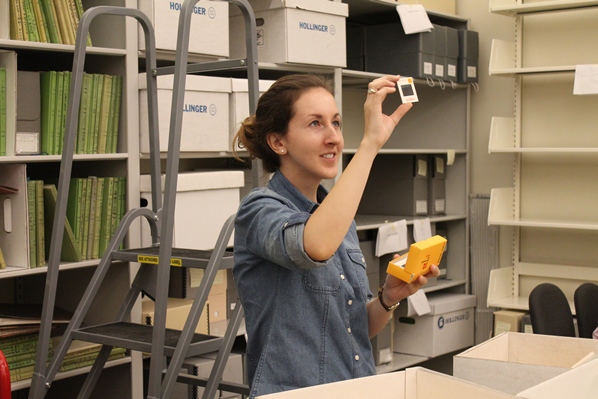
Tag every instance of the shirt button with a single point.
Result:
(363, 260)
(350, 302)
(285, 224)
(349, 330)
(342, 276)
(357, 357)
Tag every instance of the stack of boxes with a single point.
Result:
(444, 53)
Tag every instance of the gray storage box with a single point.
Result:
(437, 185)
(467, 69)
(382, 345)
(398, 185)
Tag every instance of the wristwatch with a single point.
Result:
(385, 306)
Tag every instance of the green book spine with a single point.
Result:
(80, 11)
(40, 19)
(73, 207)
(52, 6)
(92, 146)
(48, 85)
(2, 111)
(20, 374)
(58, 109)
(31, 211)
(85, 187)
(40, 225)
(32, 32)
(107, 212)
(19, 348)
(90, 217)
(88, 360)
(122, 203)
(105, 114)
(115, 114)
(51, 23)
(97, 226)
(66, 90)
(69, 251)
(7, 342)
(2, 260)
(64, 22)
(16, 22)
(84, 110)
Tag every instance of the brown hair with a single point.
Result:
(273, 114)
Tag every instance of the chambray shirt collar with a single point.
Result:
(281, 185)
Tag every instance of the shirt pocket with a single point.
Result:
(322, 280)
(360, 267)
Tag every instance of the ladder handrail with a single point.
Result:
(40, 383)
(155, 384)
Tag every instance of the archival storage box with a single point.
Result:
(447, 328)
(209, 26)
(411, 383)
(580, 382)
(512, 362)
(239, 103)
(176, 314)
(205, 113)
(398, 185)
(204, 201)
(295, 31)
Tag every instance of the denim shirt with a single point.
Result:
(306, 321)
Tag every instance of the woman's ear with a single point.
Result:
(276, 144)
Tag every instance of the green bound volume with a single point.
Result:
(89, 218)
(84, 113)
(70, 250)
(115, 114)
(97, 225)
(2, 111)
(40, 223)
(105, 114)
(31, 211)
(48, 82)
(40, 19)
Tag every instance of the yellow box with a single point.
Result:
(418, 260)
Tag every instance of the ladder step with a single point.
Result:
(138, 337)
(184, 257)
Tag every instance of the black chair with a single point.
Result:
(586, 308)
(550, 312)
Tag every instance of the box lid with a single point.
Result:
(321, 6)
(241, 85)
(192, 82)
(446, 302)
(196, 181)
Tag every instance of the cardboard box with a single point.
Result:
(398, 185)
(239, 103)
(579, 383)
(204, 201)
(513, 362)
(467, 68)
(412, 383)
(295, 31)
(201, 366)
(507, 321)
(382, 346)
(447, 328)
(209, 26)
(28, 113)
(184, 282)
(218, 309)
(205, 113)
(176, 315)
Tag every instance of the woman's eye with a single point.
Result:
(314, 123)
(336, 124)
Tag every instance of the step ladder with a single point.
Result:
(168, 348)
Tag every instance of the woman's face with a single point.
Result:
(314, 143)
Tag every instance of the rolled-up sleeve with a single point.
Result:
(274, 230)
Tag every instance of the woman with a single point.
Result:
(299, 270)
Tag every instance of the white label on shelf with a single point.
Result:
(586, 79)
